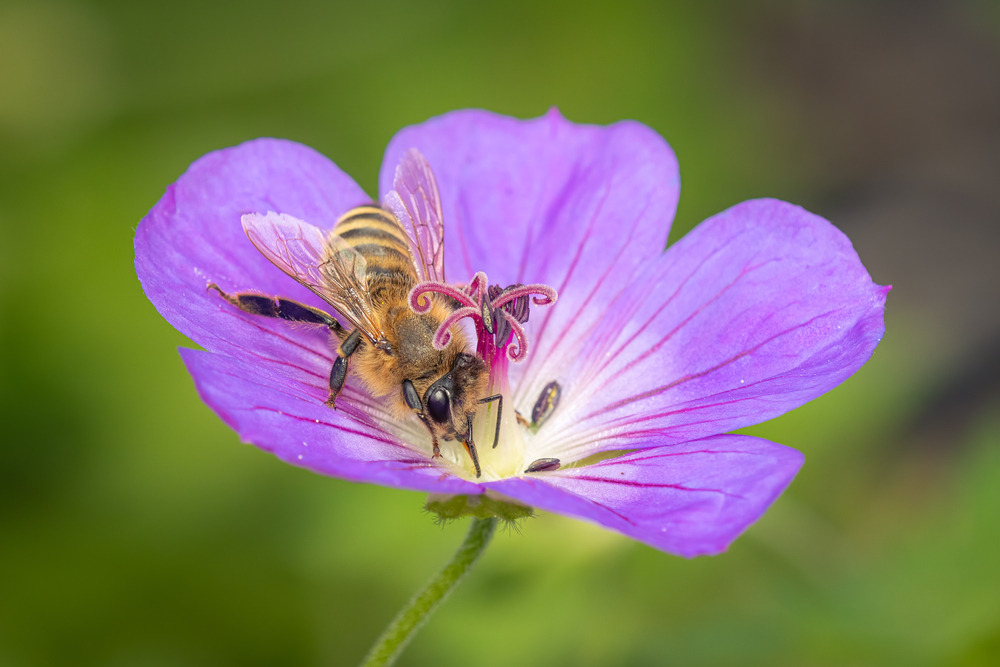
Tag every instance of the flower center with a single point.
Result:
(498, 315)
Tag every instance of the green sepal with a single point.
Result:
(481, 506)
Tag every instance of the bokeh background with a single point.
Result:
(136, 530)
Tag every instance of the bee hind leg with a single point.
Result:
(280, 307)
(299, 313)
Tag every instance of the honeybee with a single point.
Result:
(365, 269)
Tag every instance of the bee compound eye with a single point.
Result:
(438, 405)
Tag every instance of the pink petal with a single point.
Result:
(193, 236)
(691, 499)
(581, 208)
(755, 312)
(284, 414)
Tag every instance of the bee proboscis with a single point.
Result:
(365, 269)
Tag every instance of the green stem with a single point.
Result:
(388, 647)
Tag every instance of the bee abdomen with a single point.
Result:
(366, 225)
(378, 237)
(382, 254)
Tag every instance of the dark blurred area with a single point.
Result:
(902, 100)
(136, 530)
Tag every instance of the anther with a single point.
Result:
(544, 465)
(546, 404)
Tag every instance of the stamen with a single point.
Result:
(546, 404)
(544, 465)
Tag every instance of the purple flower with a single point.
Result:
(634, 376)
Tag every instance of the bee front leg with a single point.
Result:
(413, 400)
(499, 399)
(338, 374)
(470, 446)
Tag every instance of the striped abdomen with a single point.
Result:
(376, 235)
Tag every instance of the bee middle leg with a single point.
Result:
(338, 374)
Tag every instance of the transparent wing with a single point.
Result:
(416, 203)
(324, 263)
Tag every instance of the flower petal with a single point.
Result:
(193, 236)
(578, 207)
(286, 416)
(691, 499)
(755, 312)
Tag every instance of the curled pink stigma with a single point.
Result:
(443, 335)
(420, 305)
(541, 295)
(516, 353)
(498, 313)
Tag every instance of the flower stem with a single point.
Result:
(388, 647)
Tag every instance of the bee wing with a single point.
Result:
(325, 263)
(416, 203)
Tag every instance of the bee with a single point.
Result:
(365, 269)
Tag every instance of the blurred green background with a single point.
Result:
(136, 530)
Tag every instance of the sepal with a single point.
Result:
(482, 506)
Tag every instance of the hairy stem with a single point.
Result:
(388, 647)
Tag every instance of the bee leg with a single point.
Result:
(521, 420)
(499, 399)
(293, 311)
(276, 306)
(437, 448)
(413, 400)
(338, 374)
(470, 446)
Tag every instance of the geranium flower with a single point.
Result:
(656, 354)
